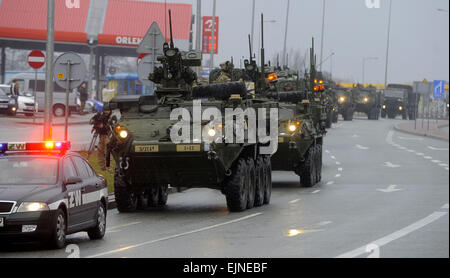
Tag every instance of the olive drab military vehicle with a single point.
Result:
(400, 100)
(345, 102)
(205, 155)
(367, 101)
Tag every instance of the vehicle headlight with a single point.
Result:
(123, 134)
(342, 99)
(292, 128)
(32, 207)
(400, 108)
(366, 99)
(384, 106)
(211, 132)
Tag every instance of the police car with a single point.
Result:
(47, 192)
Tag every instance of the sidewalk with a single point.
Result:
(74, 119)
(433, 131)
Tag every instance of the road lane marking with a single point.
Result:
(443, 165)
(355, 136)
(396, 235)
(338, 176)
(391, 165)
(324, 223)
(390, 189)
(330, 182)
(338, 163)
(428, 157)
(408, 138)
(315, 192)
(402, 148)
(340, 169)
(124, 225)
(327, 151)
(445, 206)
(294, 201)
(438, 149)
(333, 157)
(420, 154)
(411, 151)
(362, 147)
(436, 161)
(174, 236)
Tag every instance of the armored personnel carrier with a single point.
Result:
(367, 101)
(400, 100)
(183, 137)
(345, 103)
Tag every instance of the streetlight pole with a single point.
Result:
(285, 34)
(49, 69)
(323, 32)
(387, 48)
(211, 65)
(364, 67)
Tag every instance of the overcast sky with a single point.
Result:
(419, 34)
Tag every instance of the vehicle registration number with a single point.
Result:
(147, 149)
(2, 222)
(188, 148)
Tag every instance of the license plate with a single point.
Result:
(2, 222)
(280, 139)
(147, 149)
(3, 105)
(188, 148)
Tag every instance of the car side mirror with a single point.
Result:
(72, 180)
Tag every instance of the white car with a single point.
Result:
(25, 102)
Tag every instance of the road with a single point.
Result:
(383, 193)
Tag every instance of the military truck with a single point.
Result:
(203, 153)
(400, 100)
(345, 102)
(367, 101)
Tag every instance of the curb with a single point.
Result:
(422, 134)
(112, 199)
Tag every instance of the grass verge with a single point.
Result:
(109, 175)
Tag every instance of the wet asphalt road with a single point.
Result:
(383, 193)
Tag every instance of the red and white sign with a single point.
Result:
(207, 35)
(140, 57)
(36, 59)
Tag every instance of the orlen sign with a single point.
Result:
(207, 35)
(120, 40)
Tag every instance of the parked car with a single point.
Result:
(25, 102)
(8, 104)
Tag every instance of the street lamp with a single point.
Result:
(323, 32)
(388, 42)
(285, 34)
(364, 67)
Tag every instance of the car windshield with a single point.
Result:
(3, 92)
(28, 170)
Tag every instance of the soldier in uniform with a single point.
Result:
(226, 73)
(101, 123)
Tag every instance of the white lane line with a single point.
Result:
(338, 176)
(338, 163)
(390, 189)
(420, 154)
(411, 151)
(330, 183)
(428, 157)
(327, 151)
(333, 157)
(324, 223)
(294, 201)
(445, 206)
(402, 148)
(391, 165)
(436, 161)
(340, 169)
(407, 138)
(443, 165)
(174, 236)
(437, 149)
(362, 147)
(315, 192)
(396, 235)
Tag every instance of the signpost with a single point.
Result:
(36, 60)
(150, 47)
(69, 72)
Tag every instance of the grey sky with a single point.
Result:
(419, 38)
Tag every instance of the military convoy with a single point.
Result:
(400, 100)
(367, 101)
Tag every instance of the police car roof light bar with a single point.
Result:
(47, 146)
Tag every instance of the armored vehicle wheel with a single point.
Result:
(335, 117)
(308, 169)
(126, 200)
(251, 183)
(153, 196)
(260, 182)
(405, 115)
(143, 200)
(383, 114)
(267, 180)
(348, 115)
(236, 190)
(319, 163)
(163, 195)
(329, 120)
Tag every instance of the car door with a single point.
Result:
(73, 195)
(90, 194)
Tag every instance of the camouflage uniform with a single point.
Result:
(225, 74)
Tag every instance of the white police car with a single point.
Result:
(47, 193)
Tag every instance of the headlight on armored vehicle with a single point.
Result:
(366, 99)
(33, 207)
(292, 128)
(400, 108)
(384, 107)
(341, 99)
(123, 133)
(211, 132)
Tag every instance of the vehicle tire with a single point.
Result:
(143, 200)
(307, 169)
(383, 114)
(329, 121)
(153, 196)
(98, 232)
(236, 187)
(335, 117)
(259, 182)
(163, 195)
(267, 180)
(319, 163)
(251, 183)
(59, 110)
(57, 239)
(348, 115)
(126, 200)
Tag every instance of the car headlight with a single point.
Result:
(32, 207)
(211, 132)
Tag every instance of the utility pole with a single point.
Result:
(285, 35)
(253, 24)
(211, 65)
(198, 43)
(323, 32)
(387, 48)
(49, 69)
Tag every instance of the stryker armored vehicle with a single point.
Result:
(367, 101)
(400, 100)
(180, 137)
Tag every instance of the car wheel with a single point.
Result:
(59, 110)
(58, 236)
(98, 232)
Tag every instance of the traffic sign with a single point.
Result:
(145, 67)
(439, 89)
(140, 58)
(77, 70)
(153, 41)
(209, 43)
(36, 59)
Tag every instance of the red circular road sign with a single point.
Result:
(36, 59)
(140, 57)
